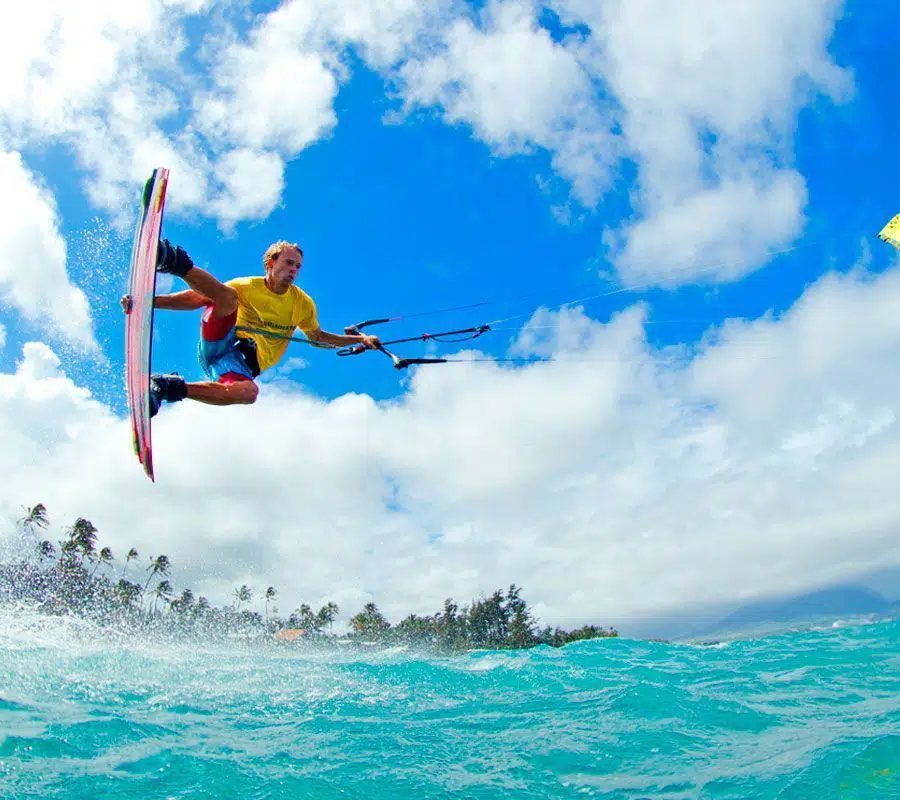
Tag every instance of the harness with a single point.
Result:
(247, 349)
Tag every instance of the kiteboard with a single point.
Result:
(139, 319)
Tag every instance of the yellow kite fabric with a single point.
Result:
(891, 232)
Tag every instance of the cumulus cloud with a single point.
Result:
(33, 277)
(251, 184)
(48, 420)
(127, 91)
(702, 98)
(101, 78)
(117, 85)
(386, 33)
(721, 232)
(614, 482)
(518, 90)
(708, 96)
(274, 91)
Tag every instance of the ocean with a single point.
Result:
(90, 713)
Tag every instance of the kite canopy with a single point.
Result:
(890, 233)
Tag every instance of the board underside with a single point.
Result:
(139, 321)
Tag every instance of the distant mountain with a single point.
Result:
(835, 602)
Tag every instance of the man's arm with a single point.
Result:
(179, 301)
(187, 300)
(340, 340)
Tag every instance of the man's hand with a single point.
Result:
(125, 302)
(370, 342)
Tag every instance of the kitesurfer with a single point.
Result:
(245, 325)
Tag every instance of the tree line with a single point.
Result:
(76, 576)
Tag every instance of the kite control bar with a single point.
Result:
(462, 335)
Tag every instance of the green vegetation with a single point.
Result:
(73, 577)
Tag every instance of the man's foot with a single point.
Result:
(168, 388)
(171, 259)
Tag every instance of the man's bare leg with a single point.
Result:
(223, 394)
(175, 261)
(224, 298)
(205, 288)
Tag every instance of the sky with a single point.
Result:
(667, 211)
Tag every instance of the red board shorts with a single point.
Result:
(218, 351)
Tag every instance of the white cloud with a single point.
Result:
(605, 481)
(33, 277)
(388, 32)
(48, 418)
(703, 97)
(251, 185)
(721, 232)
(518, 90)
(60, 57)
(614, 482)
(103, 78)
(275, 91)
(709, 95)
(290, 365)
(114, 84)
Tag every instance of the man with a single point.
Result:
(234, 347)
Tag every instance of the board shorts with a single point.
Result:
(223, 356)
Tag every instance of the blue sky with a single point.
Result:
(409, 215)
(733, 162)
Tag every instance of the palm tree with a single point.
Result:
(132, 554)
(68, 562)
(161, 565)
(158, 566)
(520, 629)
(105, 557)
(84, 534)
(185, 602)
(46, 549)
(242, 595)
(326, 615)
(451, 625)
(271, 594)
(127, 591)
(35, 517)
(303, 617)
(81, 538)
(370, 624)
(487, 622)
(163, 591)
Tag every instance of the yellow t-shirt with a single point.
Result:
(258, 307)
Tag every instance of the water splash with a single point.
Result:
(93, 712)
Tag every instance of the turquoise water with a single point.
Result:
(87, 714)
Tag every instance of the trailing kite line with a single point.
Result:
(609, 293)
(646, 285)
(890, 234)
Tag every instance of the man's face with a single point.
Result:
(285, 266)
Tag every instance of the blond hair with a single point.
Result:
(276, 249)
